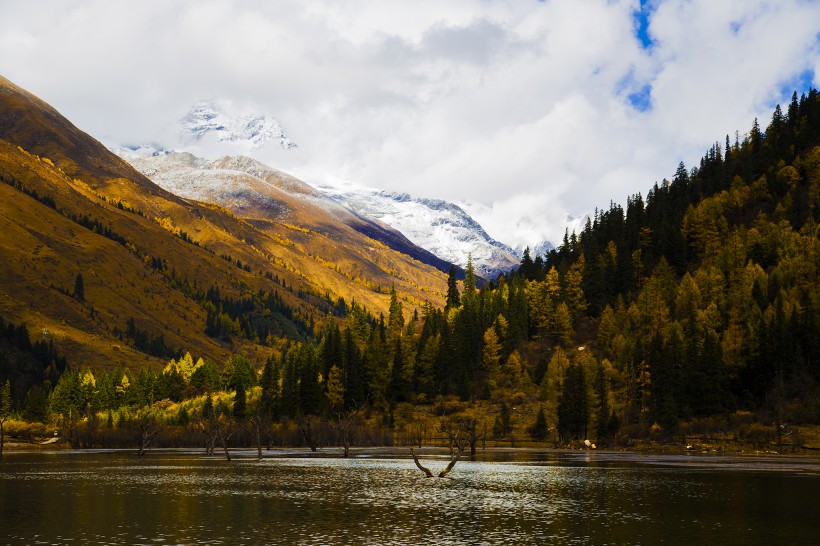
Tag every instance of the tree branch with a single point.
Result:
(422, 468)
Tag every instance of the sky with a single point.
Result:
(526, 112)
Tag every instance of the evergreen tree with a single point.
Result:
(453, 297)
(268, 401)
(539, 430)
(573, 407)
(79, 288)
(240, 403)
(469, 280)
(398, 390)
(395, 319)
(208, 406)
(602, 393)
(354, 373)
(503, 422)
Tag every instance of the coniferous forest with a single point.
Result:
(689, 312)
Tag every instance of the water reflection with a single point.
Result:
(168, 498)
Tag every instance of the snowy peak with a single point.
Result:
(138, 151)
(441, 227)
(210, 119)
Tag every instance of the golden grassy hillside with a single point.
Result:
(70, 206)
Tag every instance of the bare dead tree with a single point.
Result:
(424, 469)
(345, 426)
(209, 431)
(149, 429)
(254, 426)
(224, 431)
(207, 425)
(470, 426)
(457, 440)
(305, 425)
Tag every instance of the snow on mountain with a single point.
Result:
(215, 128)
(443, 228)
(241, 184)
(539, 249)
(248, 187)
(136, 151)
(210, 119)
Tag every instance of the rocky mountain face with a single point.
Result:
(441, 227)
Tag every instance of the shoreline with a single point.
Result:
(489, 454)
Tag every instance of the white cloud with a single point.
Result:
(521, 108)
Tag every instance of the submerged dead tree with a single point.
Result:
(458, 441)
(254, 426)
(224, 431)
(306, 425)
(149, 429)
(345, 426)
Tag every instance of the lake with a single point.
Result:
(183, 497)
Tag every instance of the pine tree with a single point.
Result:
(539, 430)
(453, 297)
(395, 320)
(602, 393)
(208, 406)
(503, 422)
(79, 288)
(469, 280)
(240, 402)
(398, 390)
(270, 388)
(573, 407)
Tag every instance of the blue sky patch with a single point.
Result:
(641, 100)
(640, 22)
(801, 83)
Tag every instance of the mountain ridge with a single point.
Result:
(76, 209)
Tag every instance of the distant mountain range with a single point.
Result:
(251, 189)
(444, 229)
(243, 185)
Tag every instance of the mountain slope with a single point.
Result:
(253, 190)
(148, 257)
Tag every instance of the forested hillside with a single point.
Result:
(690, 310)
(122, 273)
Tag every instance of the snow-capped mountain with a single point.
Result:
(210, 119)
(216, 129)
(136, 151)
(262, 195)
(250, 188)
(441, 227)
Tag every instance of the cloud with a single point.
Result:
(530, 111)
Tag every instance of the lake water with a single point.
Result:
(531, 498)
